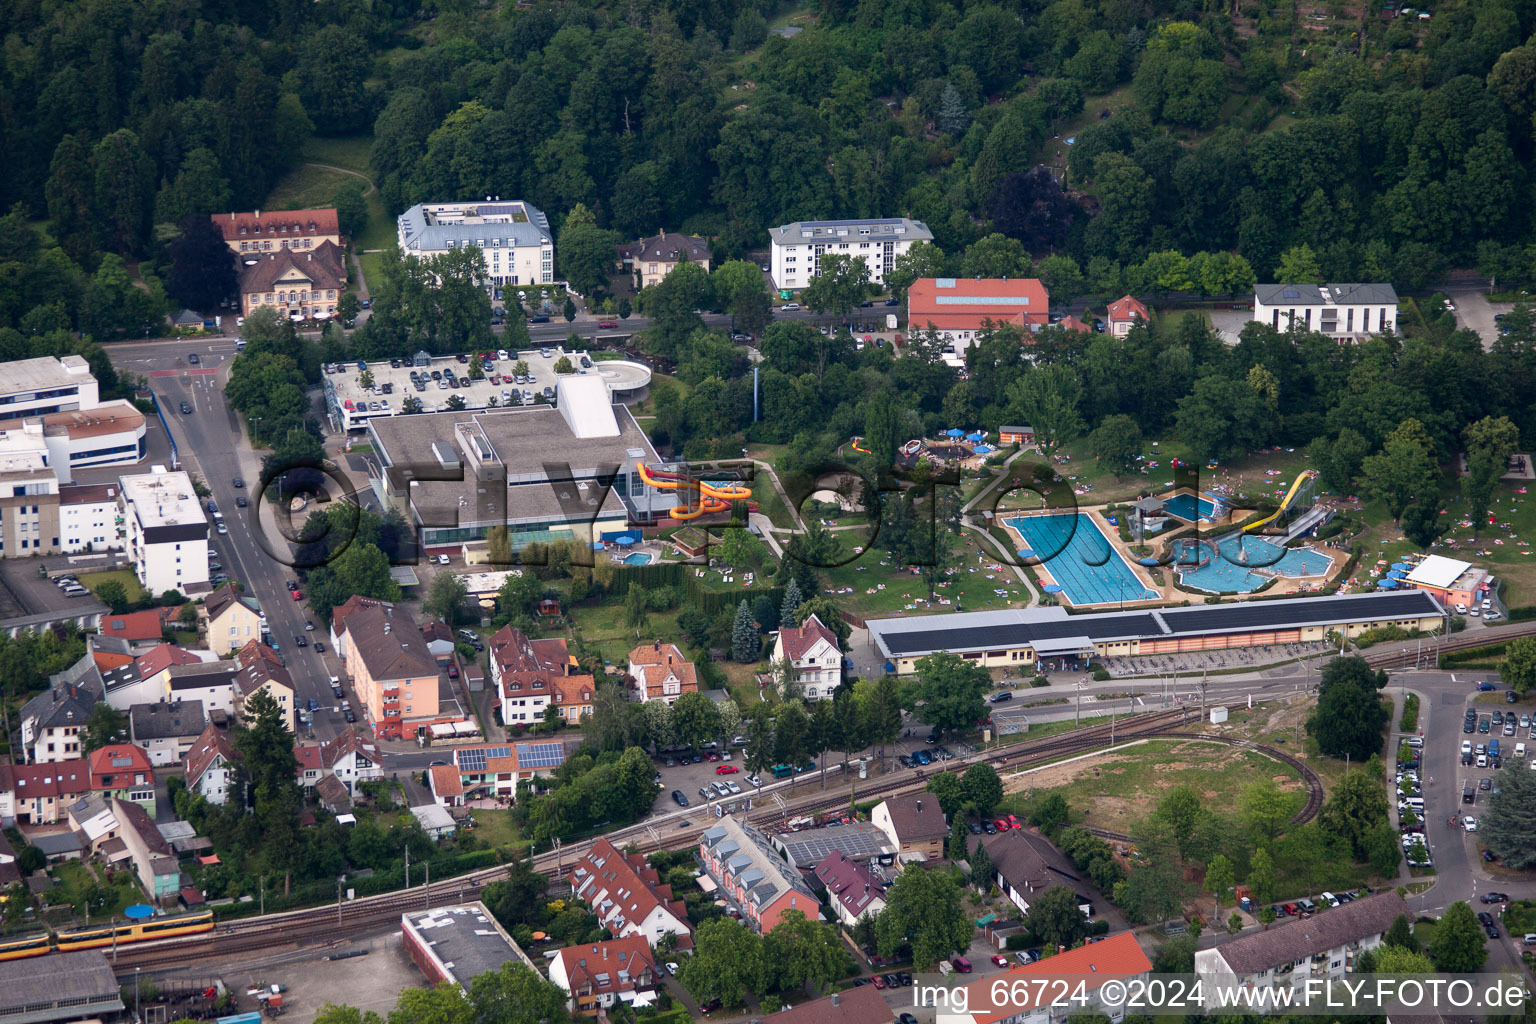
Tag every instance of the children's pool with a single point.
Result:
(1243, 563)
(1086, 566)
(1187, 507)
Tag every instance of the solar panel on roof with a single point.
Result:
(472, 760)
(498, 751)
(540, 755)
(1291, 293)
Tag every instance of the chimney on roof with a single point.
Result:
(834, 999)
(919, 805)
(258, 215)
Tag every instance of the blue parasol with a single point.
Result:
(983, 449)
(977, 436)
(1052, 588)
(1147, 561)
(1026, 553)
(139, 911)
(624, 540)
(1386, 584)
(955, 432)
(1403, 566)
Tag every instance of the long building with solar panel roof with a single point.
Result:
(1029, 636)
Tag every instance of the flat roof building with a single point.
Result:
(1454, 582)
(34, 387)
(1020, 636)
(458, 944)
(514, 237)
(167, 531)
(61, 987)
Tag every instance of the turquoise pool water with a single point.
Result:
(1244, 563)
(1088, 568)
(1187, 507)
(639, 558)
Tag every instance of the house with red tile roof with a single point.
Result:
(960, 310)
(123, 771)
(604, 973)
(862, 1005)
(135, 627)
(628, 895)
(43, 792)
(814, 657)
(659, 671)
(311, 767)
(1072, 323)
(210, 764)
(276, 230)
(533, 675)
(1124, 313)
(352, 757)
(1117, 958)
(262, 670)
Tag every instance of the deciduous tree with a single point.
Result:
(923, 908)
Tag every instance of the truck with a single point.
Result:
(890, 321)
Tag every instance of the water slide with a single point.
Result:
(1290, 496)
(711, 498)
(858, 448)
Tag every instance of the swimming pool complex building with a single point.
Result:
(1023, 637)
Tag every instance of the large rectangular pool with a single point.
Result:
(1080, 558)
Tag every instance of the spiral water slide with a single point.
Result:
(711, 497)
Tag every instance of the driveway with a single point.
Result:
(1475, 312)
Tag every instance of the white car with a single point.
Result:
(1466, 746)
(789, 307)
(443, 560)
(672, 968)
(1469, 823)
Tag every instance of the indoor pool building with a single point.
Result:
(1029, 637)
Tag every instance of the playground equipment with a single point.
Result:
(1306, 476)
(711, 497)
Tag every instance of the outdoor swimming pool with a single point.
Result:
(639, 558)
(1244, 563)
(1187, 506)
(1088, 569)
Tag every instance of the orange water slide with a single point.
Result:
(712, 498)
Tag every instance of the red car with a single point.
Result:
(453, 671)
(1002, 824)
(726, 769)
(1015, 822)
(298, 595)
(1001, 961)
(879, 981)
(607, 325)
(711, 757)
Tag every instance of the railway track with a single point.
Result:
(323, 927)
(1406, 654)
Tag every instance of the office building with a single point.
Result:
(167, 531)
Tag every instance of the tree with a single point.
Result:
(1459, 945)
(445, 599)
(564, 365)
(923, 908)
(586, 253)
(351, 208)
(202, 267)
(1116, 443)
(758, 754)
(1339, 460)
(949, 791)
(347, 307)
(1299, 265)
(1405, 470)
(952, 117)
(1029, 206)
(1506, 827)
(124, 188)
(1055, 919)
(1047, 397)
(746, 644)
(958, 846)
(1519, 670)
(105, 726)
(923, 259)
(791, 733)
(1489, 444)
(792, 600)
(694, 719)
(1219, 878)
(995, 256)
(947, 692)
(801, 954)
(1356, 808)
(1050, 813)
(569, 309)
(114, 595)
(1176, 956)
(840, 284)
(1401, 935)
(516, 994)
(1396, 960)
(981, 868)
(982, 788)
(1349, 716)
(727, 963)
(1265, 809)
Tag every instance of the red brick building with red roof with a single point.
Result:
(960, 309)
(1124, 313)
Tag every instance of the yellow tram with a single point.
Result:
(96, 936)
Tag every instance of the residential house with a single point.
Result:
(961, 310)
(311, 769)
(852, 889)
(857, 840)
(494, 770)
(92, 816)
(43, 792)
(534, 675)
(862, 1005)
(1116, 958)
(815, 659)
(109, 652)
(651, 259)
(513, 236)
(604, 973)
(147, 680)
(276, 230)
(659, 671)
(135, 627)
(299, 285)
(1020, 869)
(1124, 313)
(440, 640)
(1022, 436)
(333, 794)
(1072, 323)
(166, 731)
(52, 721)
(262, 671)
(628, 895)
(232, 620)
(122, 771)
(210, 765)
(153, 859)
(1344, 312)
(352, 758)
(215, 683)
(1291, 953)
(797, 248)
(744, 868)
(393, 675)
(914, 824)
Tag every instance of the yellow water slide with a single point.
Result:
(1290, 496)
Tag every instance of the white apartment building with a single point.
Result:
(33, 387)
(167, 531)
(89, 518)
(1342, 311)
(514, 237)
(798, 247)
(1288, 954)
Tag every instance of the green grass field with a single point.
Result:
(603, 629)
(306, 187)
(130, 582)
